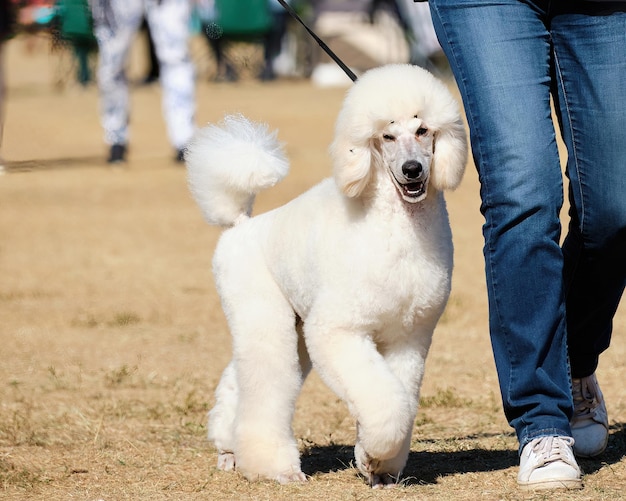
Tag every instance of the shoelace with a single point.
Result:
(551, 449)
(585, 397)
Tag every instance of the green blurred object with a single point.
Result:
(75, 26)
(75, 22)
(243, 18)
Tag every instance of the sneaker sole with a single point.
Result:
(548, 484)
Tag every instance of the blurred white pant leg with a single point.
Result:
(169, 26)
(115, 24)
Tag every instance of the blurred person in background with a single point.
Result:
(115, 24)
(424, 46)
(7, 20)
(263, 21)
(152, 74)
(74, 26)
(274, 38)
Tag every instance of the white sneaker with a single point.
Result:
(549, 463)
(590, 423)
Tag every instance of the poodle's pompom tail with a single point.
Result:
(229, 163)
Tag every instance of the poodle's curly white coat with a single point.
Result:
(351, 276)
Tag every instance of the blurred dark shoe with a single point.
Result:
(267, 75)
(117, 154)
(228, 74)
(149, 79)
(180, 156)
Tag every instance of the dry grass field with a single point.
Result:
(112, 339)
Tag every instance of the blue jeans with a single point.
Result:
(509, 57)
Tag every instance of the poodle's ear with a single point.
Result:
(450, 156)
(352, 165)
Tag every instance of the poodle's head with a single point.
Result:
(401, 121)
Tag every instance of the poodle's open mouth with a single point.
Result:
(413, 192)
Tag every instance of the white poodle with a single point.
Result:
(352, 275)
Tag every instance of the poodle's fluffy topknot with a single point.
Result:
(395, 92)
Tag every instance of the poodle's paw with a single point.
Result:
(376, 478)
(226, 461)
(374, 470)
(291, 477)
(384, 481)
(258, 461)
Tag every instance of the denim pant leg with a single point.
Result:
(500, 54)
(590, 56)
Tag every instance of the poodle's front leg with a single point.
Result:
(380, 474)
(351, 365)
(406, 359)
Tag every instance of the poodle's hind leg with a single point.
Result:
(222, 419)
(223, 415)
(303, 352)
(269, 378)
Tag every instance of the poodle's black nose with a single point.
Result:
(412, 169)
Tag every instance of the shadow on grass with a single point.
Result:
(427, 466)
(53, 163)
(422, 467)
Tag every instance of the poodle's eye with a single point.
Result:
(389, 137)
(421, 131)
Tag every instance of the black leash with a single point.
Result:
(321, 43)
